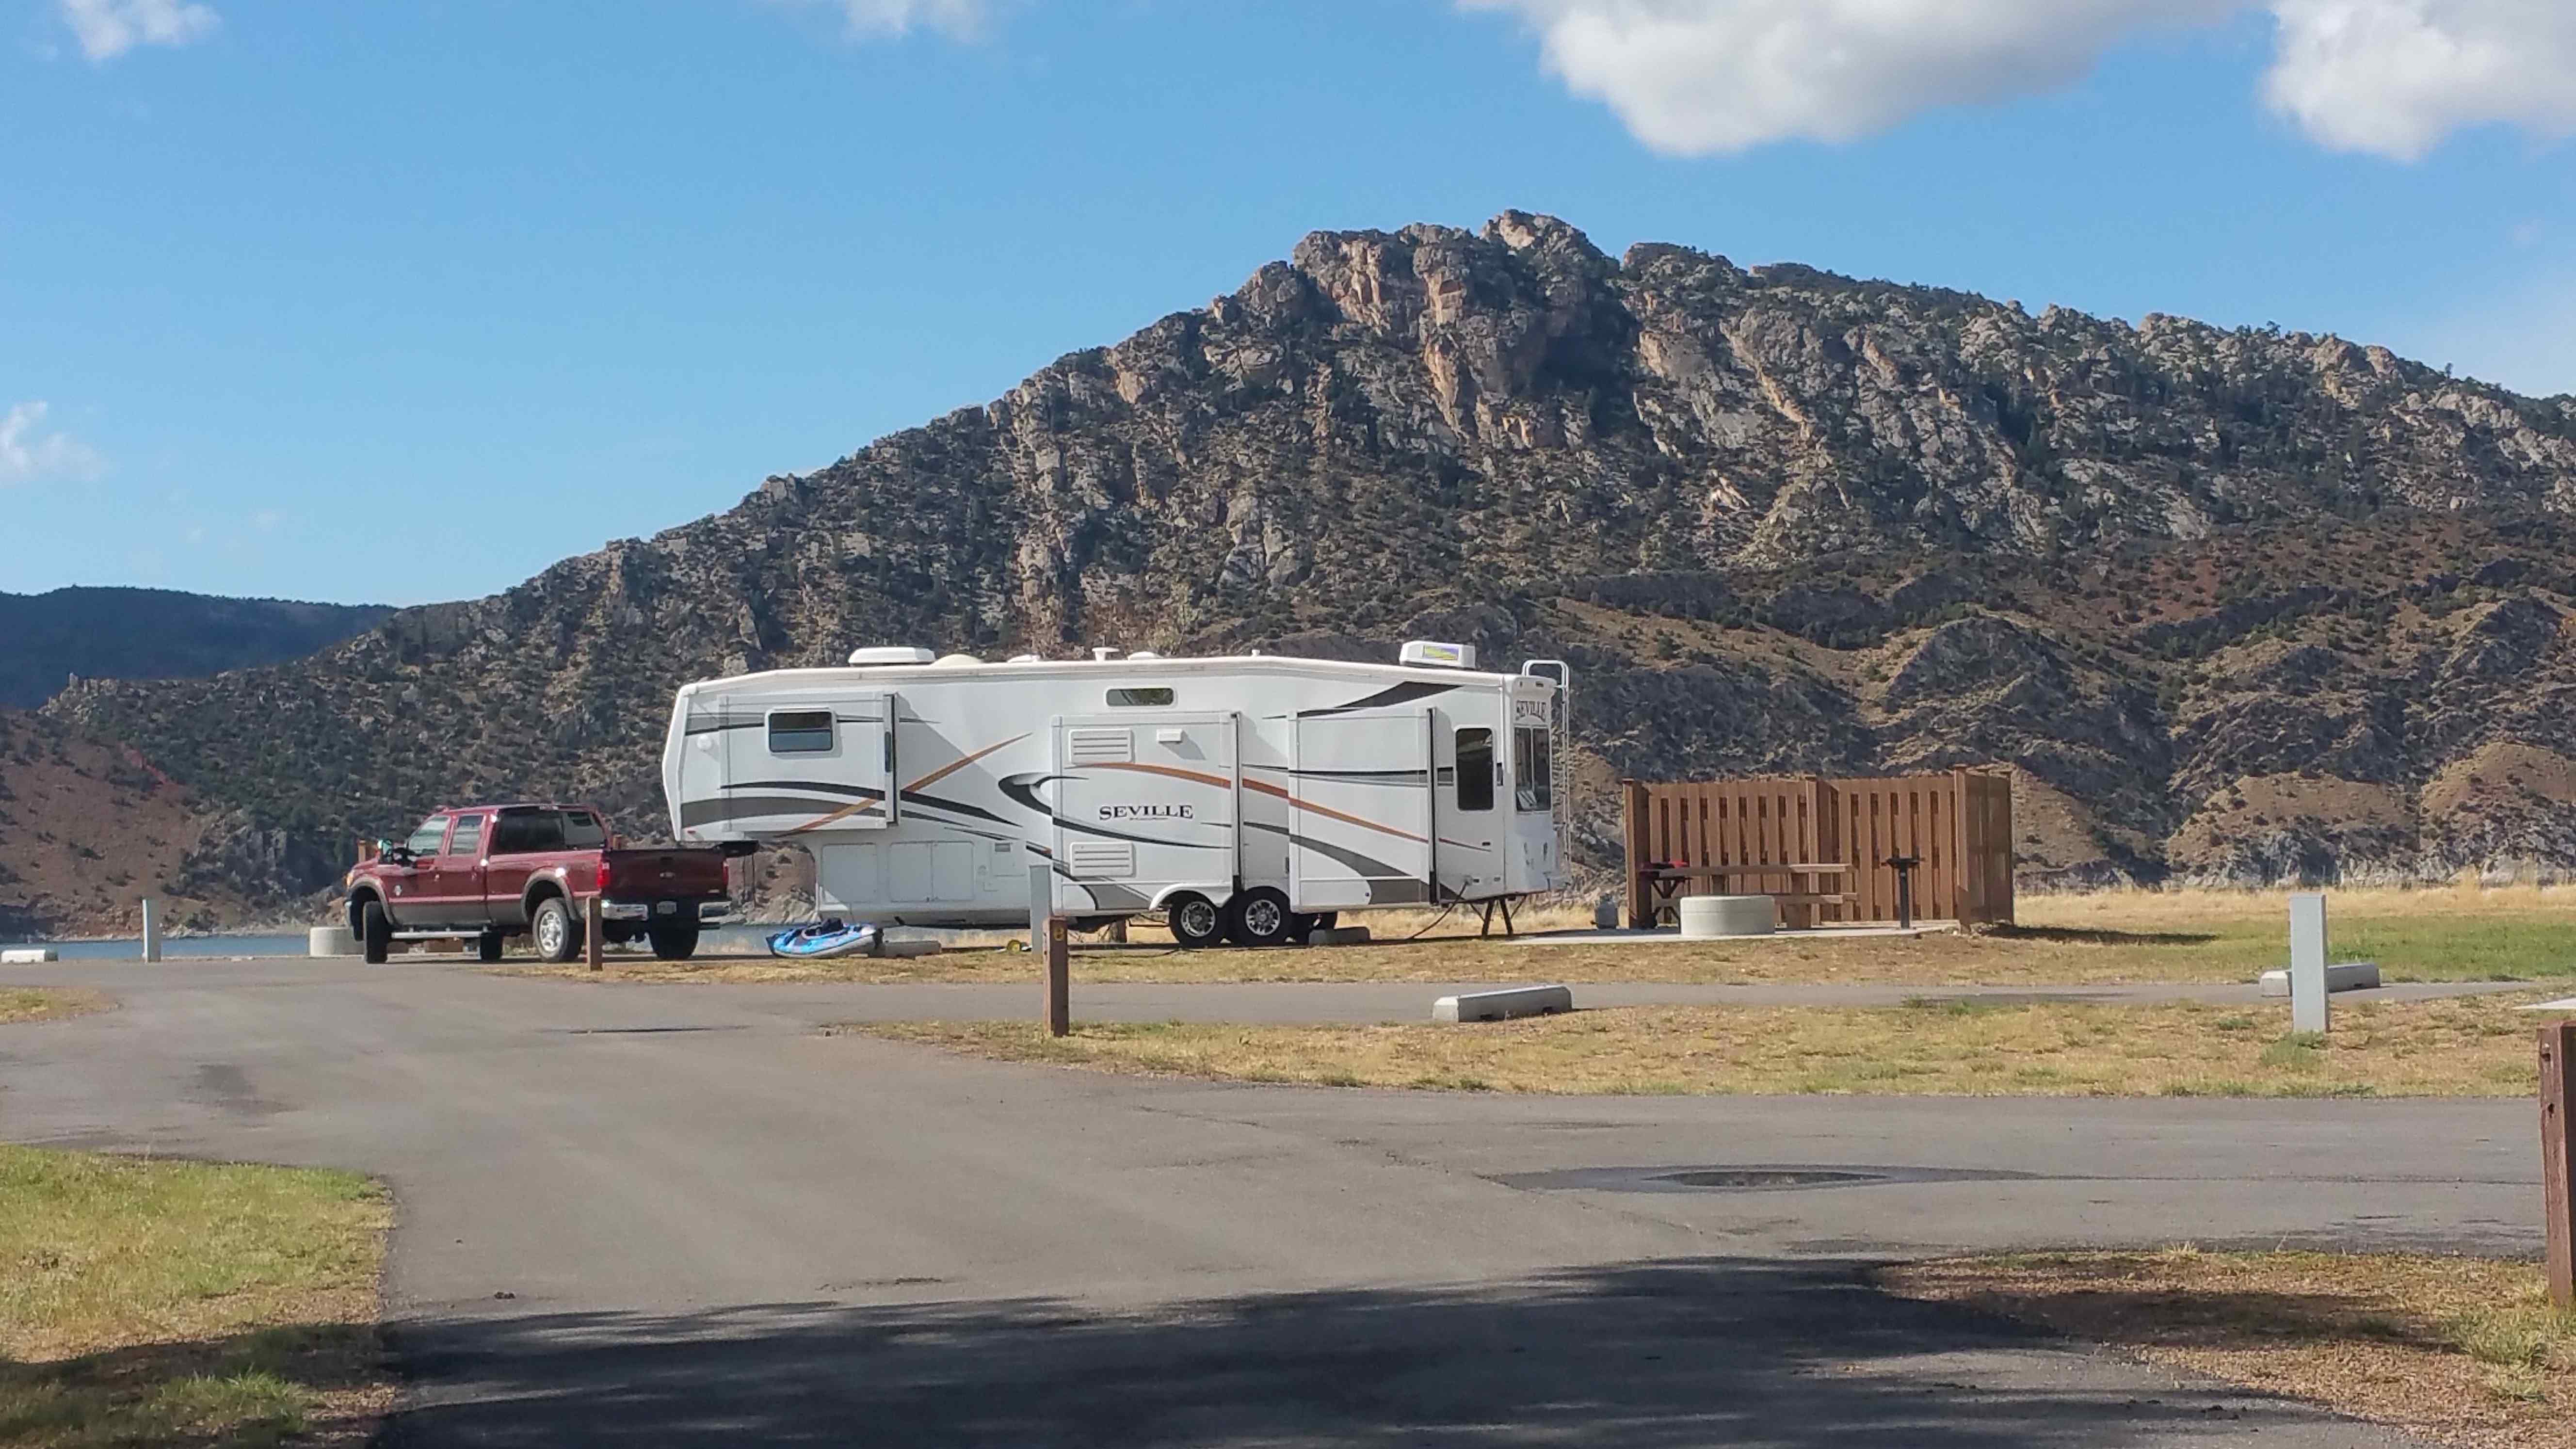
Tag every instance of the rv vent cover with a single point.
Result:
(889, 654)
(1101, 859)
(1438, 655)
(1099, 747)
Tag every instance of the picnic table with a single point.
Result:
(1666, 883)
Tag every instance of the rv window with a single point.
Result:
(427, 838)
(800, 732)
(1530, 787)
(1128, 698)
(469, 836)
(1475, 769)
(582, 831)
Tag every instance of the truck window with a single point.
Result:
(1476, 769)
(582, 831)
(469, 836)
(428, 837)
(1133, 698)
(800, 732)
(509, 833)
(1531, 787)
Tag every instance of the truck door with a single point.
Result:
(456, 880)
(807, 761)
(1361, 811)
(1145, 802)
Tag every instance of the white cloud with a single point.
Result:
(2390, 77)
(2393, 77)
(28, 452)
(110, 28)
(963, 19)
(1699, 76)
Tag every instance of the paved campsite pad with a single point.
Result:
(707, 1218)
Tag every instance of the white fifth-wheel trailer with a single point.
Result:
(1247, 798)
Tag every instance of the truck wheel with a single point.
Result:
(375, 933)
(1258, 917)
(487, 947)
(1195, 921)
(556, 934)
(677, 941)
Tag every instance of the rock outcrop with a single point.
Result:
(1780, 520)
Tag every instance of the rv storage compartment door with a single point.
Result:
(810, 760)
(1144, 802)
(1360, 831)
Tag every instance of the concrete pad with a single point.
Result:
(2341, 976)
(1503, 1005)
(1339, 936)
(1663, 937)
(30, 956)
(2567, 1005)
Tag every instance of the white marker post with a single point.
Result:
(151, 932)
(2308, 997)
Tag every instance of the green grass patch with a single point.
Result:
(148, 1302)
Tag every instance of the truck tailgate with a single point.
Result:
(643, 874)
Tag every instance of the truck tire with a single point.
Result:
(1195, 921)
(554, 932)
(375, 933)
(487, 947)
(1258, 917)
(674, 941)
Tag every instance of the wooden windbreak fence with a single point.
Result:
(1957, 824)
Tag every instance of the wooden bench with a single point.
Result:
(1666, 884)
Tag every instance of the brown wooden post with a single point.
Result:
(1059, 976)
(1632, 836)
(2558, 1155)
(594, 936)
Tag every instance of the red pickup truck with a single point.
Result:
(495, 871)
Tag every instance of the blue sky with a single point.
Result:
(405, 301)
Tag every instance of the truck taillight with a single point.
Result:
(607, 877)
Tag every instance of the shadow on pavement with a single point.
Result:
(1707, 1352)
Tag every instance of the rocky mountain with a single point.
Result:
(45, 639)
(2236, 605)
(88, 829)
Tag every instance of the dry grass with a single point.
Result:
(2456, 1048)
(2461, 1350)
(2522, 933)
(153, 1302)
(49, 1003)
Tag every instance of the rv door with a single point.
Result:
(807, 761)
(1361, 814)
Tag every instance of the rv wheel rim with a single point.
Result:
(549, 932)
(1198, 918)
(1261, 918)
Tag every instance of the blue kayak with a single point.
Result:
(826, 938)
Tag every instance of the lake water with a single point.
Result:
(729, 940)
(172, 947)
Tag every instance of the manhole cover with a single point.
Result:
(1758, 1177)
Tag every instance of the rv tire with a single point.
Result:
(1195, 921)
(1259, 917)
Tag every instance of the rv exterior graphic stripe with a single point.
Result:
(952, 767)
(742, 807)
(1172, 771)
(1329, 813)
(820, 787)
(1388, 885)
(1406, 693)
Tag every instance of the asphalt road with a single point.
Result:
(678, 1215)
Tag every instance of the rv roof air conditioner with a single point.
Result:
(956, 661)
(880, 654)
(1426, 653)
